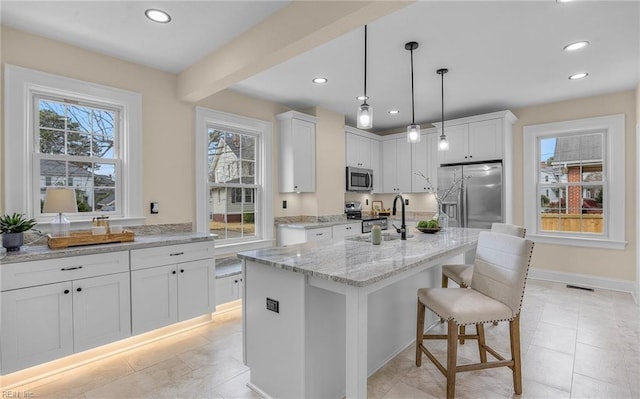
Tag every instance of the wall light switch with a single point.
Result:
(366, 201)
(155, 208)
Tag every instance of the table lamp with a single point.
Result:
(59, 200)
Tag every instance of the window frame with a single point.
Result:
(116, 161)
(613, 126)
(22, 85)
(206, 118)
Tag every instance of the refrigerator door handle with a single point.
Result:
(464, 201)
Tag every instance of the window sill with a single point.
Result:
(578, 242)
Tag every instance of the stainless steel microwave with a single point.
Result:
(359, 179)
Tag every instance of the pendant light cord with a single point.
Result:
(441, 72)
(442, 99)
(413, 119)
(365, 64)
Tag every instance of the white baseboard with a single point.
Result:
(585, 280)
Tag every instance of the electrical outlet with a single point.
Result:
(154, 208)
(366, 201)
(406, 202)
(273, 305)
(284, 204)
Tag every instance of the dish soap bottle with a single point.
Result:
(376, 235)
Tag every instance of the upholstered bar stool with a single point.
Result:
(461, 274)
(496, 292)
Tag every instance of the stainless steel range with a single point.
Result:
(353, 209)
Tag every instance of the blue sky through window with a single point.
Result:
(547, 148)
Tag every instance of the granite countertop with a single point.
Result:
(41, 252)
(317, 225)
(357, 262)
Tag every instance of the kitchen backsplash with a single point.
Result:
(310, 219)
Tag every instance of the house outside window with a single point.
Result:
(574, 184)
(72, 133)
(233, 171)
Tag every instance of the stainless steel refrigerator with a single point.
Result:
(477, 200)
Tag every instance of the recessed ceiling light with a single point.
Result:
(320, 80)
(394, 112)
(575, 46)
(157, 15)
(362, 98)
(578, 76)
(563, 1)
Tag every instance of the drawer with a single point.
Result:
(319, 234)
(29, 274)
(170, 254)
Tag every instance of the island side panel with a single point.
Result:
(274, 342)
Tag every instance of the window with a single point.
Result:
(71, 133)
(234, 198)
(77, 148)
(574, 187)
(231, 162)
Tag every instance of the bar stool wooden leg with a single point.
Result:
(419, 332)
(445, 284)
(452, 357)
(463, 331)
(514, 333)
(481, 343)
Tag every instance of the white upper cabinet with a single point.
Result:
(477, 138)
(297, 157)
(358, 151)
(424, 157)
(363, 151)
(396, 166)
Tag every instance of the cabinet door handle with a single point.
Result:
(64, 269)
(181, 270)
(176, 254)
(235, 281)
(319, 234)
(79, 289)
(66, 291)
(173, 272)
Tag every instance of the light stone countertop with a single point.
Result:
(359, 263)
(41, 252)
(317, 225)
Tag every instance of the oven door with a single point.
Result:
(359, 179)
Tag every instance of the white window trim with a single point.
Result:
(614, 125)
(206, 117)
(20, 86)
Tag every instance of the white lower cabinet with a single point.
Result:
(341, 231)
(49, 321)
(229, 288)
(165, 290)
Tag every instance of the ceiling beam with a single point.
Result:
(296, 28)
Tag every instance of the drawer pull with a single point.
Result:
(173, 272)
(64, 269)
(319, 234)
(181, 270)
(66, 291)
(176, 254)
(79, 289)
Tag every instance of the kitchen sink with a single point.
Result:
(385, 237)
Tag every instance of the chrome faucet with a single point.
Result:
(403, 227)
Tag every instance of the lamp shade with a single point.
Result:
(60, 200)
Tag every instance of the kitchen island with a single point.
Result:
(318, 318)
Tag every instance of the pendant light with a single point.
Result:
(413, 130)
(443, 144)
(365, 112)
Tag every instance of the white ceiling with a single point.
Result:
(500, 55)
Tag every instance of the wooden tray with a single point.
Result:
(85, 237)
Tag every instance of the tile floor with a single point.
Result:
(575, 344)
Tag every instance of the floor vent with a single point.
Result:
(579, 288)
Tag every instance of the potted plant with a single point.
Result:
(12, 228)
